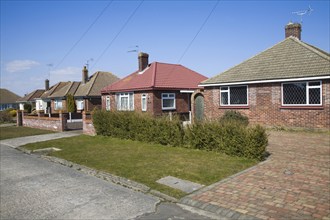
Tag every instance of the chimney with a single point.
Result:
(143, 61)
(293, 29)
(47, 84)
(84, 75)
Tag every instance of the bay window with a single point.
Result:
(125, 101)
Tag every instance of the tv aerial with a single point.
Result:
(50, 65)
(136, 50)
(88, 61)
(303, 12)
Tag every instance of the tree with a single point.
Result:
(70, 103)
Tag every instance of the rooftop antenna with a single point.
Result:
(136, 50)
(303, 12)
(87, 62)
(50, 65)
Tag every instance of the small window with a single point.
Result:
(302, 93)
(168, 101)
(80, 104)
(144, 102)
(107, 103)
(234, 96)
(125, 101)
(58, 104)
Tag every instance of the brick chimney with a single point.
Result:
(84, 75)
(47, 84)
(143, 61)
(293, 29)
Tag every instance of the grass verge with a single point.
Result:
(14, 132)
(146, 163)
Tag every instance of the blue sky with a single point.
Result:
(37, 33)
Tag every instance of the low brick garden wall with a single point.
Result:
(53, 124)
(88, 127)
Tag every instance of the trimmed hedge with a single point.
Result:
(231, 137)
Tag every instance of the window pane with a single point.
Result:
(294, 93)
(315, 96)
(224, 88)
(144, 103)
(224, 98)
(124, 103)
(238, 95)
(168, 103)
(131, 102)
(314, 83)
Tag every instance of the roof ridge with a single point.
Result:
(153, 79)
(313, 49)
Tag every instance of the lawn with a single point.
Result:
(13, 132)
(146, 163)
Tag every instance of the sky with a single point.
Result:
(55, 39)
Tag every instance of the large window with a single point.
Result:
(107, 103)
(80, 104)
(233, 96)
(125, 101)
(58, 104)
(144, 102)
(168, 101)
(302, 93)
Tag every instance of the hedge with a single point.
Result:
(232, 137)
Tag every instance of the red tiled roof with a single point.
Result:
(158, 76)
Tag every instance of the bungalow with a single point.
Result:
(8, 99)
(156, 88)
(88, 94)
(287, 85)
(30, 99)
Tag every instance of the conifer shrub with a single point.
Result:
(235, 117)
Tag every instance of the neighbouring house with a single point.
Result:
(8, 99)
(30, 99)
(43, 103)
(286, 85)
(156, 88)
(88, 94)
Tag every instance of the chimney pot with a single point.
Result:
(143, 61)
(47, 84)
(84, 75)
(293, 29)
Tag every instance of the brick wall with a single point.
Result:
(53, 124)
(265, 107)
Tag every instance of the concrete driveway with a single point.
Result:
(294, 183)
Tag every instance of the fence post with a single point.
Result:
(63, 120)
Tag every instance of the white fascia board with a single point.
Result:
(266, 81)
(187, 91)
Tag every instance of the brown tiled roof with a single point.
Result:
(7, 97)
(69, 88)
(158, 76)
(290, 58)
(32, 96)
(96, 82)
(53, 89)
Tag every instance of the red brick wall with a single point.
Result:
(88, 127)
(53, 124)
(265, 107)
(154, 102)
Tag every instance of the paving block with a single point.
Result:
(183, 185)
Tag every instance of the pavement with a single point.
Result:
(294, 183)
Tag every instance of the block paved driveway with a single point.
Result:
(293, 183)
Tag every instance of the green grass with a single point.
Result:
(146, 163)
(13, 132)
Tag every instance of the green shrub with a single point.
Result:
(13, 113)
(70, 103)
(231, 137)
(234, 116)
(27, 107)
(134, 126)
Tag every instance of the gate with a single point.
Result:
(199, 107)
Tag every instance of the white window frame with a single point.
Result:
(307, 92)
(80, 104)
(107, 103)
(130, 98)
(167, 96)
(56, 104)
(228, 92)
(144, 97)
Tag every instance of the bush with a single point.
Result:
(234, 116)
(231, 137)
(134, 126)
(13, 113)
(27, 107)
(5, 117)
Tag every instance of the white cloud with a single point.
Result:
(66, 71)
(20, 65)
(65, 74)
